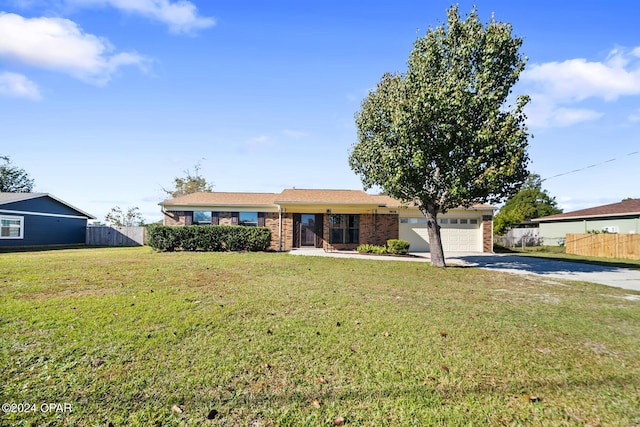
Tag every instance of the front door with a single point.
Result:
(307, 230)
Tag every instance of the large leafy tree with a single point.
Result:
(14, 179)
(530, 202)
(191, 183)
(441, 135)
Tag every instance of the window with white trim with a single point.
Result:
(11, 227)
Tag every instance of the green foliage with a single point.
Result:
(441, 134)
(394, 246)
(530, 202)
(371, 249)
(210, 238)
(189, 184)
(603, 231)
(14, 179)
(379, 250)
(400, 247)
(365, 248)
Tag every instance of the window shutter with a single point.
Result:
(260, 219)
(188, 218)
(215, 219)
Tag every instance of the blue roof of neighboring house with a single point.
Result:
(7, 198)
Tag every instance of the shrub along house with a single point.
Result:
(40, 219)
(332, 219)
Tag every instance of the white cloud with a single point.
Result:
(634, 117)
(18, 86)
(557, 86)
(181, 16)
(61, 45)
(545, 112)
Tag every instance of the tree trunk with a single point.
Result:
(435, 241)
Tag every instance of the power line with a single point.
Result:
(590, 166)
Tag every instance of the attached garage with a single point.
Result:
(460, 233)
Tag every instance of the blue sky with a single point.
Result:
(104, 102)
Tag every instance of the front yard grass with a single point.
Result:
(129, 337)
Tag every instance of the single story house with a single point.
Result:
(40, 219)
(622, 217)
(332, 219)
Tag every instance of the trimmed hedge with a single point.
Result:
(395, 246)
(210, 238)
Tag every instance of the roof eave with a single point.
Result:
(551, 218)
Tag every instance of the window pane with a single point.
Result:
(353, 221)
(444, 221)
(463, 221)
(249, 219)
(473, 221)
(335, 221)
(454, 221)
(10, 227)
(199, 216)
(404, 220)
(353, 236)
(336, 236)
(413, 220)
(423, 220)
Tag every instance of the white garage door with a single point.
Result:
(458, 234)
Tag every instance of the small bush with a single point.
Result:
(379, 250)
(399, 247)
(210, 238)
(371, 249)
(365, 249)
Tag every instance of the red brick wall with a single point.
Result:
(224, 218)
(375, 229)
(271, 221)
(174, 218)
(487, 233)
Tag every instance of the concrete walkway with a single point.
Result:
(624, 278)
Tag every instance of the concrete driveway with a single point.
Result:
(611, 276)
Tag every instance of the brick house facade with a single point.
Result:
(327, 219)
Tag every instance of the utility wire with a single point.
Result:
(589, 167)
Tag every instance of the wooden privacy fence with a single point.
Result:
(624, 246)
(116, 236)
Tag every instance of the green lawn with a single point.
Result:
(129, 337)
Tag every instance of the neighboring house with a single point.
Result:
(39, 219)
(332, 219)
(622, 217)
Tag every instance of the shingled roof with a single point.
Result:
(624, 208)
(351, 197)
(288, 197)
(222, 198)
